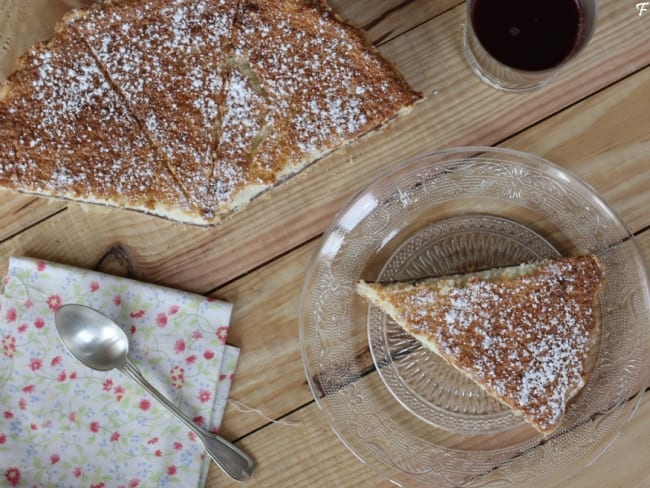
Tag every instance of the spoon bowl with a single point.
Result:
(99, 343)
(92, 337)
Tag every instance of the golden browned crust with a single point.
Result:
(165, 59)
(218, 100)
(64, 132)
(321, 84)
(525, 334)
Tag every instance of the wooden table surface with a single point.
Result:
(594, 120)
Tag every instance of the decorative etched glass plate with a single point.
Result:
(415, 420)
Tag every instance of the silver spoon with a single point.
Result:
(99, 343)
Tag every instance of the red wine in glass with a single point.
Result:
(529, 35)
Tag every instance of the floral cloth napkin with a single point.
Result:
(64, 425)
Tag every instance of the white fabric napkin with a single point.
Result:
(64, 425)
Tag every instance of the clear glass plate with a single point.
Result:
(392, 403)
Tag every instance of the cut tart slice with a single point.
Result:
(247, 120)
(525, 334)
(323, 86)
(65, 132)
(166, 59)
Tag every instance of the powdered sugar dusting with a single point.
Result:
(69, 133)
(165, 59)
(321, 84)
(527, 339)
(244, 118)
(318, 79)
(191, 105)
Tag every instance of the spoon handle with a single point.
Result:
(230, 459)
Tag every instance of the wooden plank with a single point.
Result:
(270, 376)
(306, 454)
(582, 141)
(464, 111)
(606, 142)
(318, 458)
(18, 212)
(384, 20)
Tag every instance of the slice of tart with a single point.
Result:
(65, 132)
(525, 334)
(165, 59)
(322, 83)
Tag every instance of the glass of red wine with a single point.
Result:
(522, 44)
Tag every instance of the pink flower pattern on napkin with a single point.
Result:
(64, 425)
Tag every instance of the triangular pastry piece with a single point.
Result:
(247, 120)
(525, 334)
(65, 132)
(323, 84)
(166, 58)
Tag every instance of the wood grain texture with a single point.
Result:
(318, 458)
(579, 158)
(257, 258)
(18, 212)
(23, 23)
(270, 374)
(604, 140)
(306, 454)
(552, 138)
(463, 112)
(384, 20)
